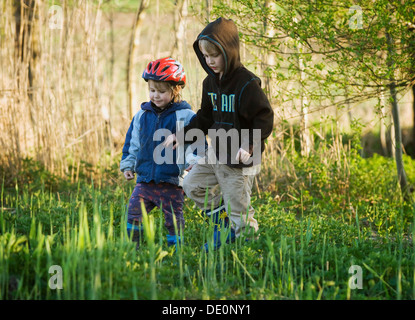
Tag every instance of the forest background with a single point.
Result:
(338, 171)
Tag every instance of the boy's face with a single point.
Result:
(160, 93)
(214, 60)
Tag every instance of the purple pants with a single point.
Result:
(165, 195)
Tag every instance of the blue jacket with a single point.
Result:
(143, 152)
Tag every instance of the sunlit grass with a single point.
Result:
(302, 254)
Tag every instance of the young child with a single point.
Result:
(232, 100)
(158, 183)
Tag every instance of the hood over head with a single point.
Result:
(224, 34)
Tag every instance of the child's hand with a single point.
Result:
(129, 175)
(242, 155)
(189, 167)
(170, 140)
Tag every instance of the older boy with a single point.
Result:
(232, 101)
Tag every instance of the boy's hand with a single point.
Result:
(189, 167)
(170, 140)
(129, 175)
(242, 155)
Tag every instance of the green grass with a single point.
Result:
(304, 251)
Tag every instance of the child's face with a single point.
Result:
(214, 60)
(160, 93)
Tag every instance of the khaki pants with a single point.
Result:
(225, 185)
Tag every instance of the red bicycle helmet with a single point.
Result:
(165, 69)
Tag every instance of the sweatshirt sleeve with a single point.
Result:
(255, 109)
(204, 118)
(131, 145)
(192, 152)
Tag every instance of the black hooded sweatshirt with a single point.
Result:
(235, 100)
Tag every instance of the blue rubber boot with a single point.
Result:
(135, 233)
(214, 215)
(217, 238)
(221, 223)
(172, 241)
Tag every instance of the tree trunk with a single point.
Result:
(383, 126)
(304, 103)
(132, 53)
(413, 126)
(208, 8)
(411, 27)
(268, 59)
(398, 141)
(305, 140)
(26, 43)
(396, 121)
(179, 26)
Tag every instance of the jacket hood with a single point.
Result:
(224, 34)
(174, 106)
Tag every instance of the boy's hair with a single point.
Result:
(209, 46)
(173, 87)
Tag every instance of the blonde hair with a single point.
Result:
(174, 88)
(209, 47)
